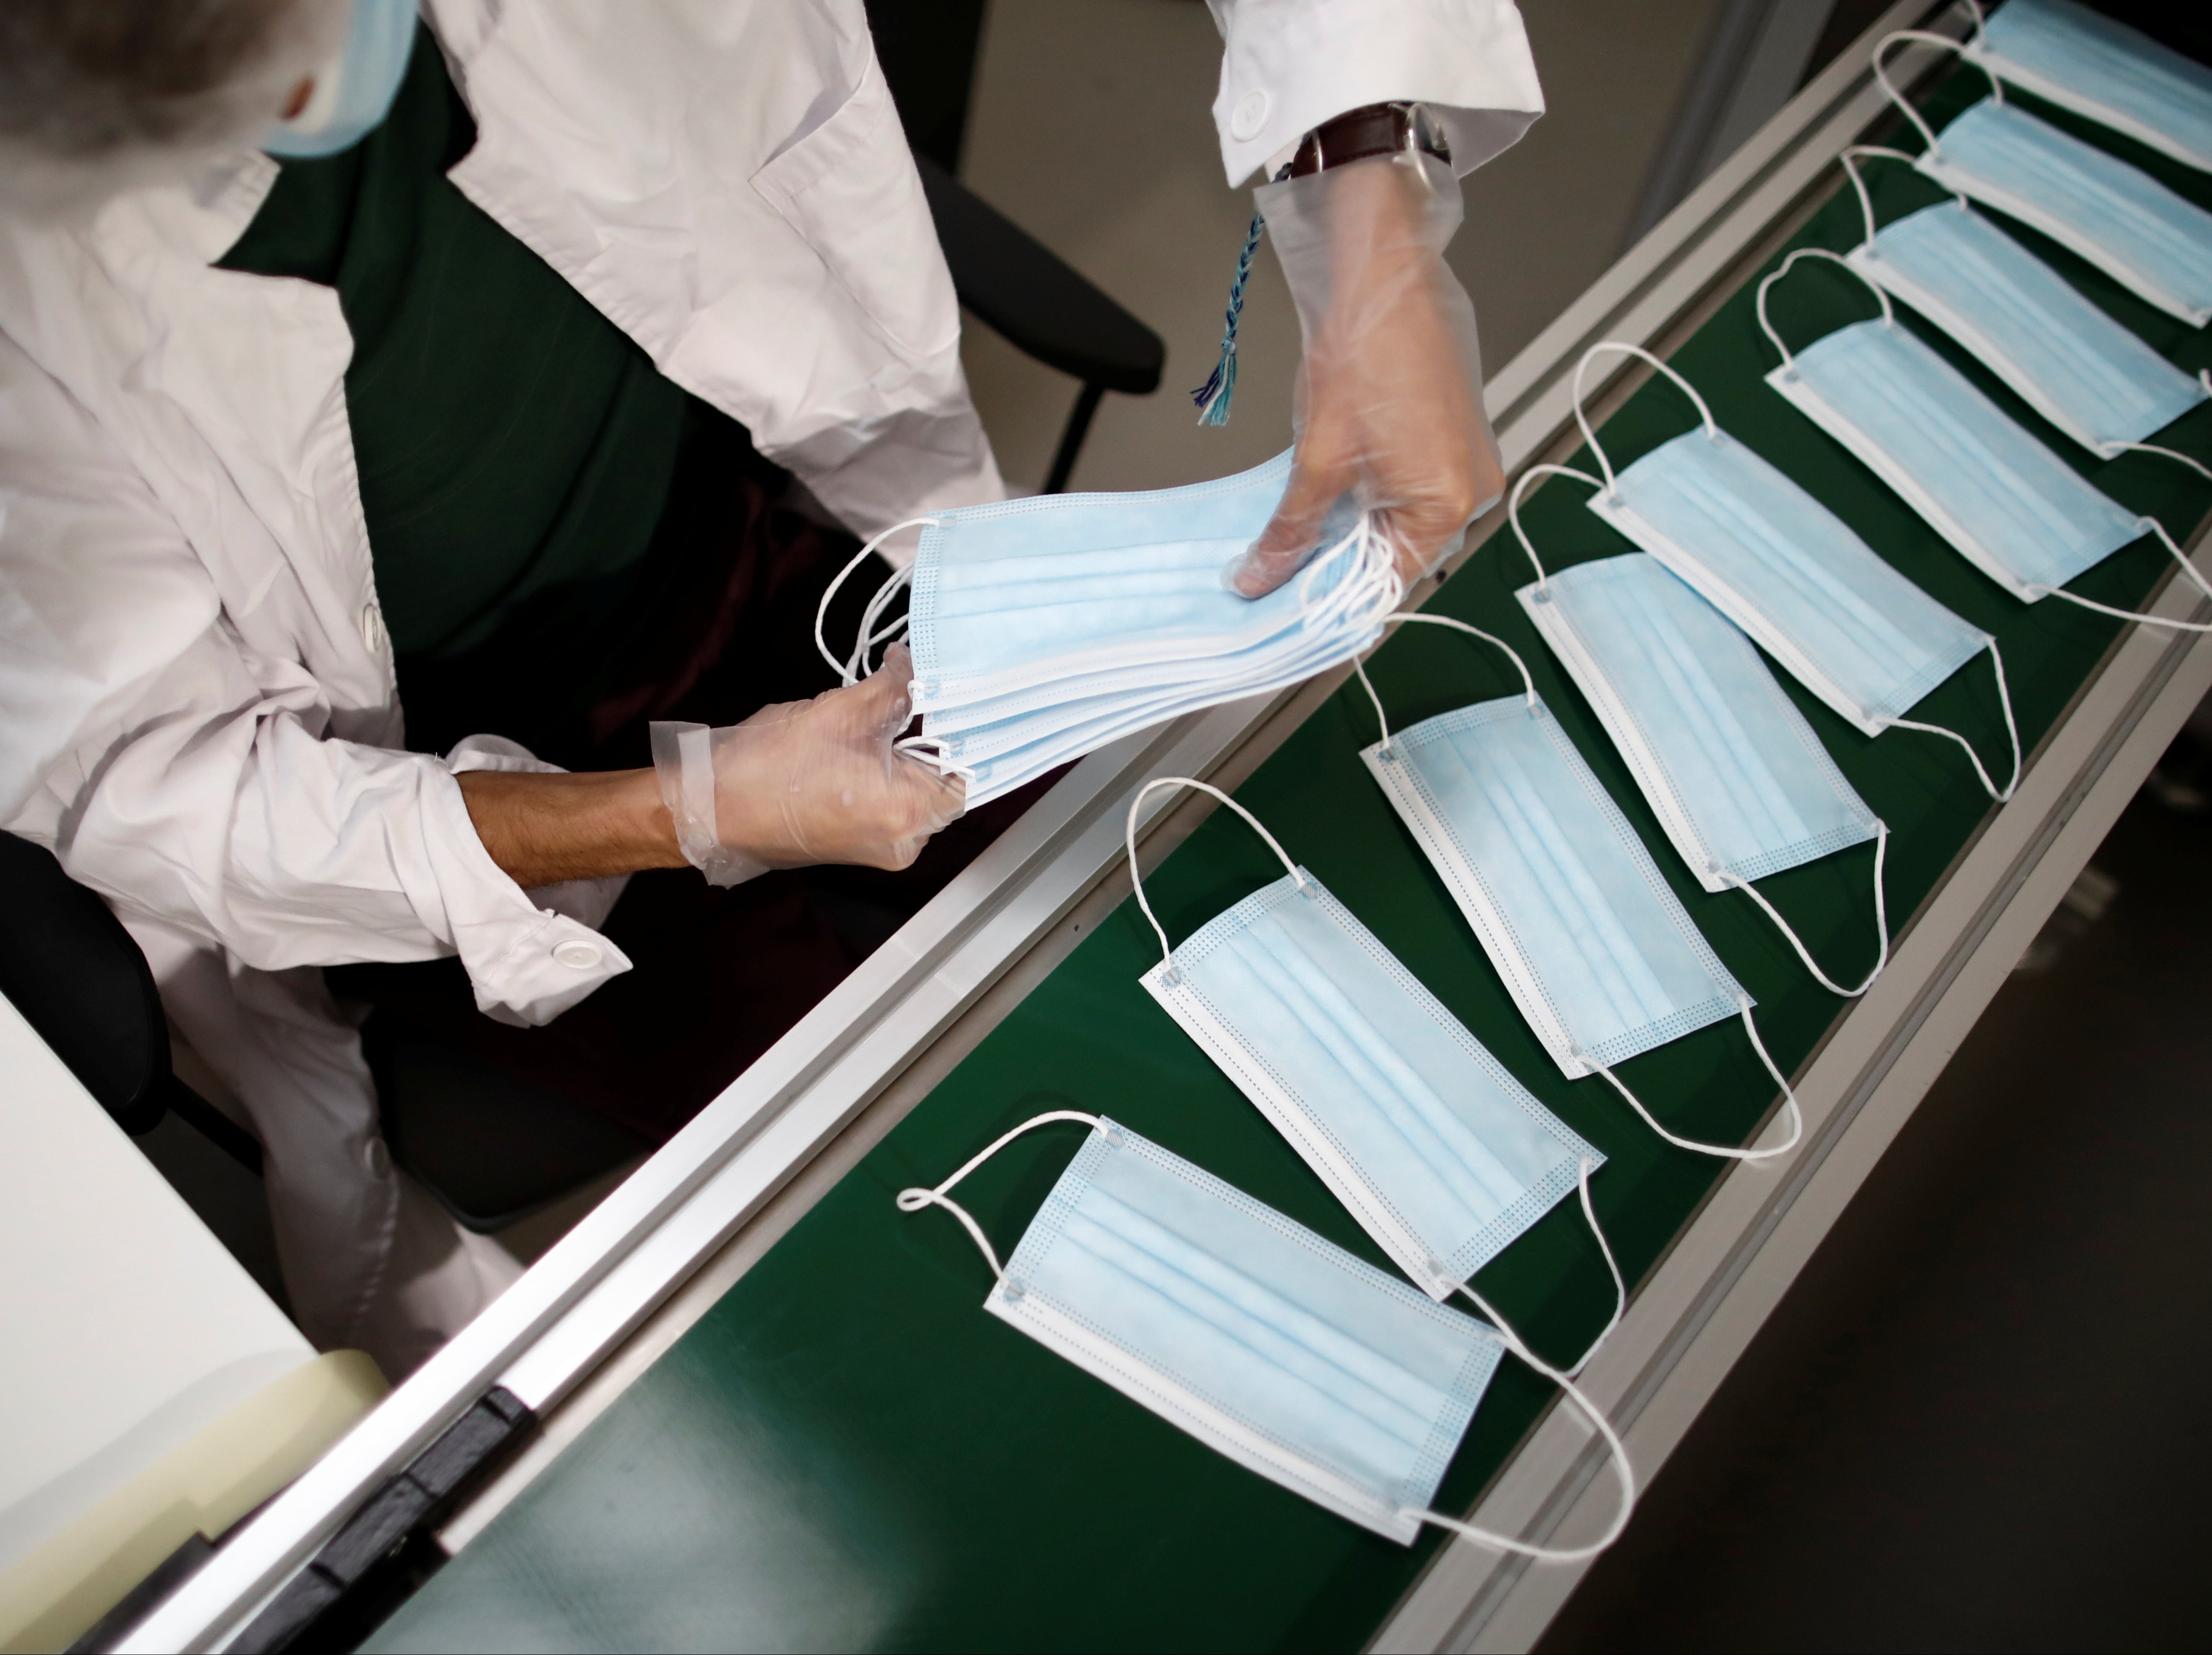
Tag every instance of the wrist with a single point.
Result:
(547, 828)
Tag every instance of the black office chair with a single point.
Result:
(68, 966)
(492, 1148)
(1005, 277)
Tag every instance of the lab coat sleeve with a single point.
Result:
(1288, 65)
(189, 781)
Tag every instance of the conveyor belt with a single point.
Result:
(845, 1451)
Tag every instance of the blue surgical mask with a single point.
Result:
(1440, 1153)
(2117, 216)
(1791, 574)
(1593, 945)
(1738, 780)
(354, 91)
(2105, 71)
(1043, 628)
(2016, 511)
(1268, 1344)
(2064, 357)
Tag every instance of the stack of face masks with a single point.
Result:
(1043, 628)
(2016, 511)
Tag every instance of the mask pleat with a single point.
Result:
(1424, 1125)
(1296, 1348)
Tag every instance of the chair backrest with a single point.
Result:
(72, 971)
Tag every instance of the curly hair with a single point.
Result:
(96, 95)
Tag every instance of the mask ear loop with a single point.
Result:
(1726, 1152)
(1766, 327)
(932, 749)
(2152, 525)
(1618, 1450)
(1849, 158)
(1881, 919)
(914, 1199)
(2012, 730)
(1513, 514)
(1171, 975)
(1881, 74)
(1358, 665)
(1712, 429)
(845, 669)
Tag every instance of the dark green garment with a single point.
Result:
(518, 452)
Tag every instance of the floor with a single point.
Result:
(1975, 1422)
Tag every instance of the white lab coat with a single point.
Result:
(195, 678)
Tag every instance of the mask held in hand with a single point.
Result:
(1272, 1346)
(1043, 628)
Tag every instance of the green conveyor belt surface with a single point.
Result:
(846, 1452)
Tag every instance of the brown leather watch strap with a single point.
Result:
(1376, 129)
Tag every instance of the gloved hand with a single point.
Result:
(805, 781)
(1389, 396)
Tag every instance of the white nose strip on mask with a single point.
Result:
(1791, 574)
(1272, 1346)
(2017, 512)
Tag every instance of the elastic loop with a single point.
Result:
(1613, 1267)
(1880, 920)
(1724, 1151)
(2113, 449)
(1888, 316)
(914, 1199)
(1136, 878)
(1882, 74)
(2187, 567)
(844, 669)
(2012, 731)
(1513, 510)
(2127, 614)
(1849, 158)
(931, 750)
(1618, 1450)
(1582, 419)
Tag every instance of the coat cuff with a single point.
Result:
(527, 959)
(1289, 66)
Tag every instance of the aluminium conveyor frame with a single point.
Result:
(654, 1254)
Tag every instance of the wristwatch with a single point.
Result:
(1376, 129)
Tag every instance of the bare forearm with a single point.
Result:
(542, 830)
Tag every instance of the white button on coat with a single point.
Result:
(371, 629)
(1251, 114)
(578, 956)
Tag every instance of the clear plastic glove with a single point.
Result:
(805, 781)
(1389, 396)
